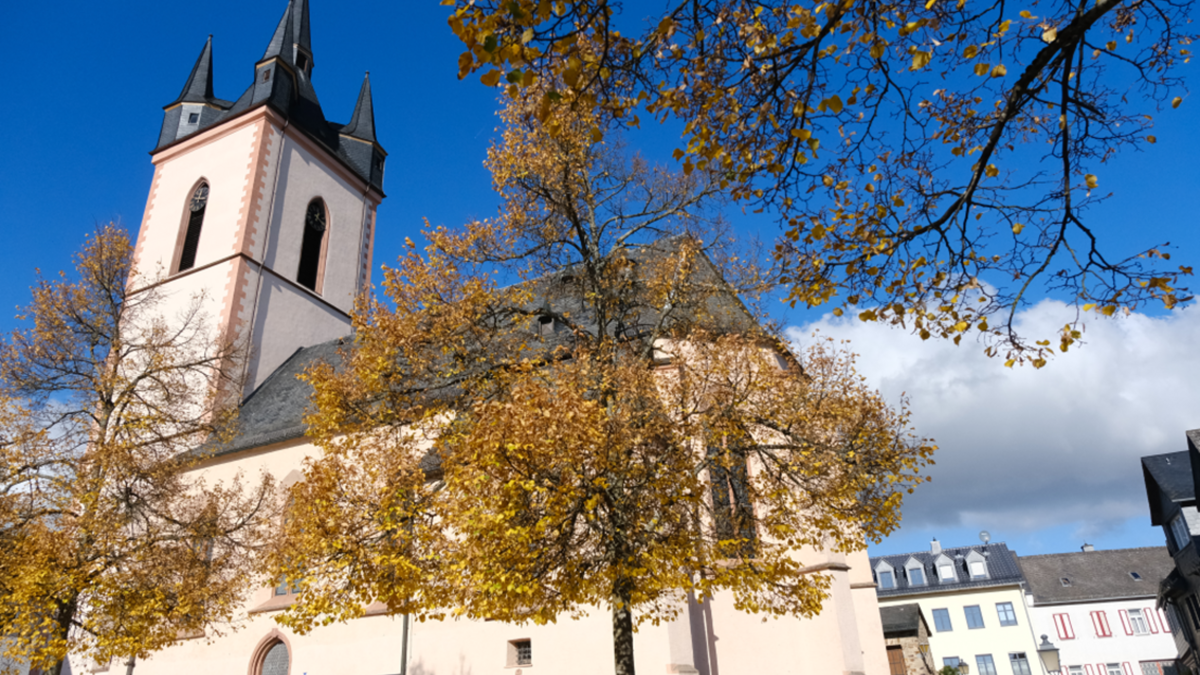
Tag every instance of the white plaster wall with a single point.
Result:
(1087, 648)
(225, 164)
(285, 319)
(965, 643)
(303, 177)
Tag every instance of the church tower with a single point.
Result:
(262, 207)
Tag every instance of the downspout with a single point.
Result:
(403, 648)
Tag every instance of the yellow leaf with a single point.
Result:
(1091, 181)
(827, 180)
(1111, 45)
(1017, 228)
(921, 59)
(991, 171)
(833, 103)
(597, 135)
(526, 36)
(1009, 363)
(970, 52)
(1151, 139)
(981, 68)
(1176, 101)
(1108, 310)
(930, 4)
(490, 78)
(999, 71)
(1049, 34)
(802, 134)
(1089, 307)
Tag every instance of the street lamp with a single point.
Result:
(1049, 655)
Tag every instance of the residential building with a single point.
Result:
(1099, 609)
(975, 598)
(906, 634)
(265, 211)
(1171, 494)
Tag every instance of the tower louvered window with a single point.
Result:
(191, 238)
(312, 245)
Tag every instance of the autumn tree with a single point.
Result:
(594, 433)
(931, 162)
(110, 548)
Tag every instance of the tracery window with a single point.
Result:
(275, 662)
(312, 245)
(733, 512)
(191, 237)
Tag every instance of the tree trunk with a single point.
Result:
(622, 626)
(65, 615)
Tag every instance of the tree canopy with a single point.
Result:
(932, 163)
(108, 547)
(614, 429)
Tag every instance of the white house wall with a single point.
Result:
(1088, 648)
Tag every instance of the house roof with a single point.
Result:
(1096, 575)
(1168, 479)
(1003, 570)
(906, 618)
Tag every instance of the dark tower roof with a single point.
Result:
(282, 41)
(199, 86)
(282, 81)
(362, 123)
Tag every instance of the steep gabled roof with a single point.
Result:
(1002, 567)
(1096, 575)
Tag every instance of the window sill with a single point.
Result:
(276, 603)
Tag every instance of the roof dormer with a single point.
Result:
(977, 565)
(885, 576)
(915, 571)
(944, 565)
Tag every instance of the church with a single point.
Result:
(265, 210)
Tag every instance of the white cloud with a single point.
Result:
(1025, 449)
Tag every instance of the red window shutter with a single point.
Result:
(1162, 618)
(1127, 668)
(1060, 627)
(1125, 621)
(1096, 624)
(1102, 669)
(1103, 616)
(1087, 669)
(1067, 625)
(1151, 619)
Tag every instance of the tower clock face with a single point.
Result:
(315, 218)
(200, 198)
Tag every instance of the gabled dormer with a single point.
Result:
(885, 576)
(915, 571)
(944, 564)
(977, 565)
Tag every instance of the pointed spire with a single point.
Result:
(362, 124)
(199, 87)
(282, 40)
(300, 24)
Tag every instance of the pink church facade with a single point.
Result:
(266, 212)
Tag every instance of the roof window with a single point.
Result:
(1065, 581)
(1135, 576)
(193, 118)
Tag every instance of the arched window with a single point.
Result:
(313, 245)
(191, 237)
(274, 660)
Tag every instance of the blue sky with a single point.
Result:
(1042, 460)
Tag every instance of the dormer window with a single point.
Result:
(977, 565)
(915, 571)
(886, 581)
(302, 62)
(886, 575)
(945, 568)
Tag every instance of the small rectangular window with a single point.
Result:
(974, 616)
(916, 576)
(1008, 617)
(193, 118)
(1138, 622)
(266, 75)
(985, 664)
(1113, 668)
(1179, 531)
(520, 653)
(978, 569)
(941, 620)
(951, 662)
(1074, 670)
(885, 580)
(1020, 664)
(946, 572)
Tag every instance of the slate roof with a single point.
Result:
(1168, 478)
(1003, 570)
(901, 620)
(1096, 575)
(290, 92)
(275, 411)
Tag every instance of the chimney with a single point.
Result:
(1087, 548)
(935, 547)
